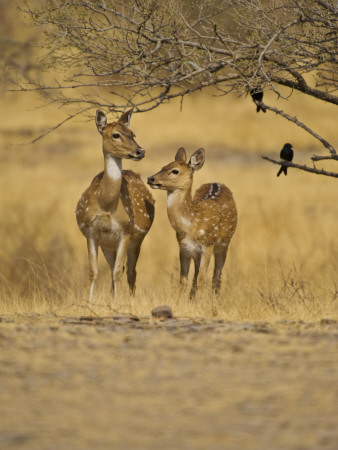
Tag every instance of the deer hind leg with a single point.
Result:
(110, 256)
(197, 262)
(184, 270)
(132, 257)
(92, 259)
(220, 256)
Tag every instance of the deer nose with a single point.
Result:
(151, 180)
(140, 153)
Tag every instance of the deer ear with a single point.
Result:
(181, 155)
(126, 116)
(197, 159)
(101, 120)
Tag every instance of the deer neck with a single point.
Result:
(180, 209)
(110, 186)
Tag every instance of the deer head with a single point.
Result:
(178, 174)
(117, 139)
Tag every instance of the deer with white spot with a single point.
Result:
(117, 210)
(204, 224)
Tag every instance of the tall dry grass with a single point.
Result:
(283, 258)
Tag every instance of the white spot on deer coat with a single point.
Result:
(185, 221)
(141, 230)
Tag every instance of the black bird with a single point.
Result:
(287, 154)
(257, 96)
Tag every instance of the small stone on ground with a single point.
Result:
(162, 312)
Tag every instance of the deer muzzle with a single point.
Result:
(137, 155)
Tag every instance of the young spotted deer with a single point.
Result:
(203, 224)
(117, 210)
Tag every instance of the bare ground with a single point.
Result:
(122, 382)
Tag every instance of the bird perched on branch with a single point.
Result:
(287, 155)
(257, 96)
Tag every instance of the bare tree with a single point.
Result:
(142, 53)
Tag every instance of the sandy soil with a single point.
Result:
(132, 383)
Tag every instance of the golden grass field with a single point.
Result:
(283, 258)
(255, 368)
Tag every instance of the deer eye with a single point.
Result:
(175, 171)
(116, 135)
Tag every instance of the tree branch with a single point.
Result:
(302, 125)
(320, 158)
(302, 167)
(306, 89)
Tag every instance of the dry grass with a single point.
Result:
(283, 259)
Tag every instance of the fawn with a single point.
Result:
(203, 224)
(117, 210)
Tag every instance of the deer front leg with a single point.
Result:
(92, 259)
(119, 262)
(133, 254)
(184, 269)
(110, 256)
(203, 267)
(197, 262)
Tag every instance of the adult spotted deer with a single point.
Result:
(117, 210)
(203, 224)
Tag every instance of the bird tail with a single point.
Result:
(282, 169)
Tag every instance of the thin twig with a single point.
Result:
(57, 126)
(320, 158)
